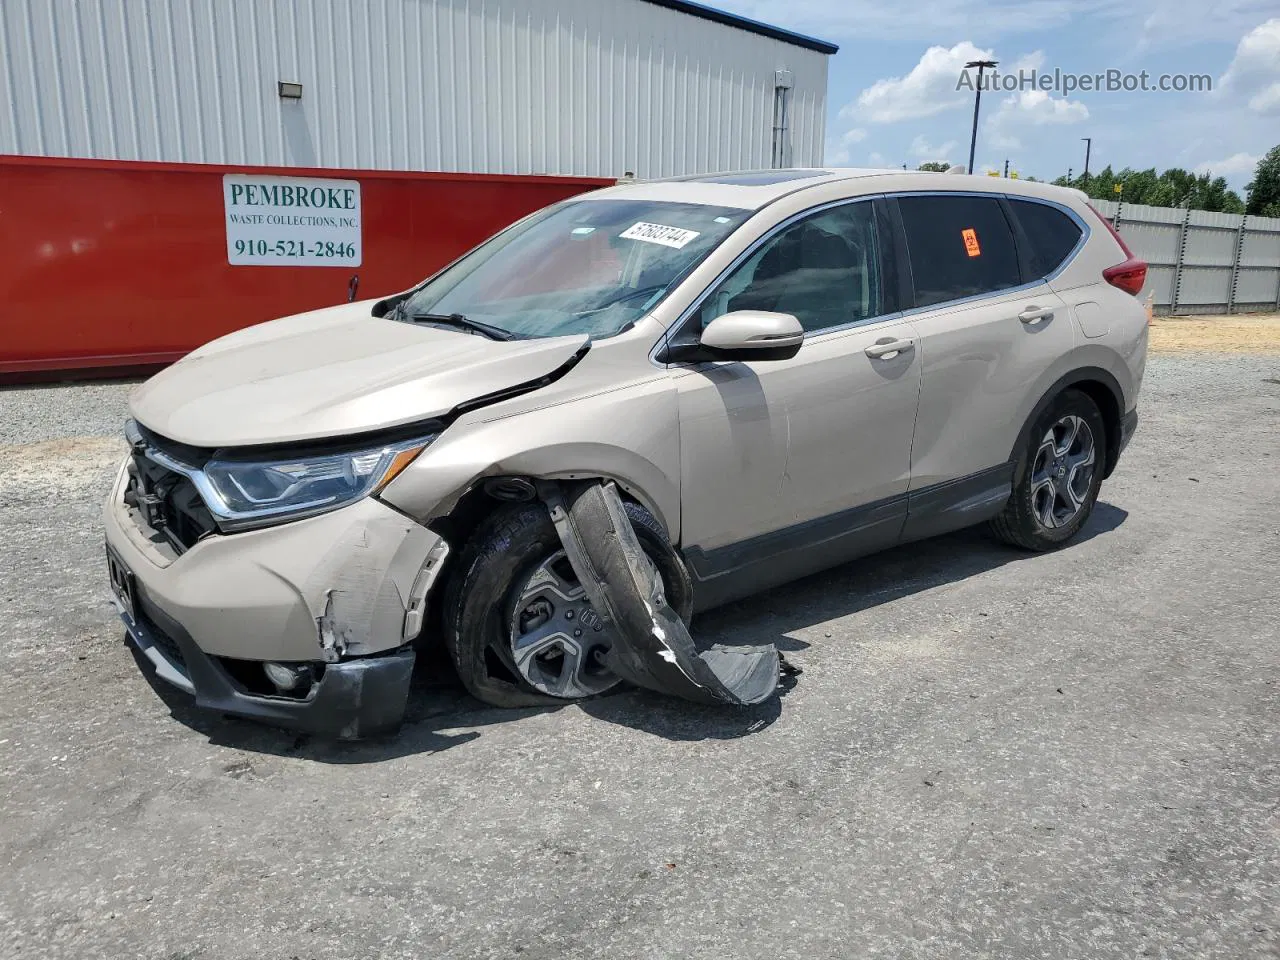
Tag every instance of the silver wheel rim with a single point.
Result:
(1062, 472)
(558, 642)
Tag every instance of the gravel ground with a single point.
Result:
(988, 754)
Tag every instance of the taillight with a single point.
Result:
(1129, 276)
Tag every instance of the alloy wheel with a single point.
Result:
(1062, 472)
(558, 641)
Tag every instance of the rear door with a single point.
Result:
(988, 329)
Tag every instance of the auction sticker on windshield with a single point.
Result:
(291, 221)
(658, 233)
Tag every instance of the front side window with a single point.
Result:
(959, 246)
(586, 266)
(823, 270)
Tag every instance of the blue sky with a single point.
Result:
(892, 99)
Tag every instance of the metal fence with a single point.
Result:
(1202, 262)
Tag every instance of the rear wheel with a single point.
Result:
(518, 625)
(1058, 476)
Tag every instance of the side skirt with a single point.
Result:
(957, 504)
(741, 569)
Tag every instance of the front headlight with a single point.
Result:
(251, 493)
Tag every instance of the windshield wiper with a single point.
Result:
(461, 321)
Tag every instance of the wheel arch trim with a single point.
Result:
(1110, 400)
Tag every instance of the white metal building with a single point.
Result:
(586, 87)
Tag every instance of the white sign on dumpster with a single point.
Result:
(291, 221)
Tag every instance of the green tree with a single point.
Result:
(1263, 190)
(1102, 184)
(1182, 185)
(1161, 195)
(1174, 187)
(934, 166)
(1212, 193)
(1139, 185)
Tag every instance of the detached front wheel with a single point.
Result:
(1058, 476)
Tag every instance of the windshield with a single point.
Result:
(586, 266)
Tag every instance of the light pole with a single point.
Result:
(977, 100)
(1088, 147)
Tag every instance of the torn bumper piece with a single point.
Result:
(653, 648)
(353, 699)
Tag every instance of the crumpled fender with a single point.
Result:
(653, 648)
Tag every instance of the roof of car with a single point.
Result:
(753, 189)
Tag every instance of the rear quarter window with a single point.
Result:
(1051, 233)
(959, 246)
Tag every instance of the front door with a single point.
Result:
(790, 466)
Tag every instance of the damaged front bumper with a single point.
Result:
(352, 699)
(341, 595)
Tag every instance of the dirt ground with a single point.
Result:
(1248, 333)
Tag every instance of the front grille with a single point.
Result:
(168, 502)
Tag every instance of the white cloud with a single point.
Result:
(922, 149)
(837, 152)
(1255, 68)
(1029, 109)
(1169, 23)
(927, 89)
(1236, 165)
(1029, 61)
(930, 87)
(1037, 108)
(1000, 139)
(1257, 51)
(1266, 100)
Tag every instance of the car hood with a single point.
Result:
(334, 372)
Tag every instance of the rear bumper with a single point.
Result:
(353, 699)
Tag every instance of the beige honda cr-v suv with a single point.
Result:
(773, 371)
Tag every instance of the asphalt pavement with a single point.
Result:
(988, 753)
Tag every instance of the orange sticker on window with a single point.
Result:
(971, 242)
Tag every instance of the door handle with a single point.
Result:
(1034, 314)
(889, 349)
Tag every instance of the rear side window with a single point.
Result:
(1051, 233)
(959, 247)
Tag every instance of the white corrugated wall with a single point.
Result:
(586, 87)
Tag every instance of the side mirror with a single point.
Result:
(752, 335)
